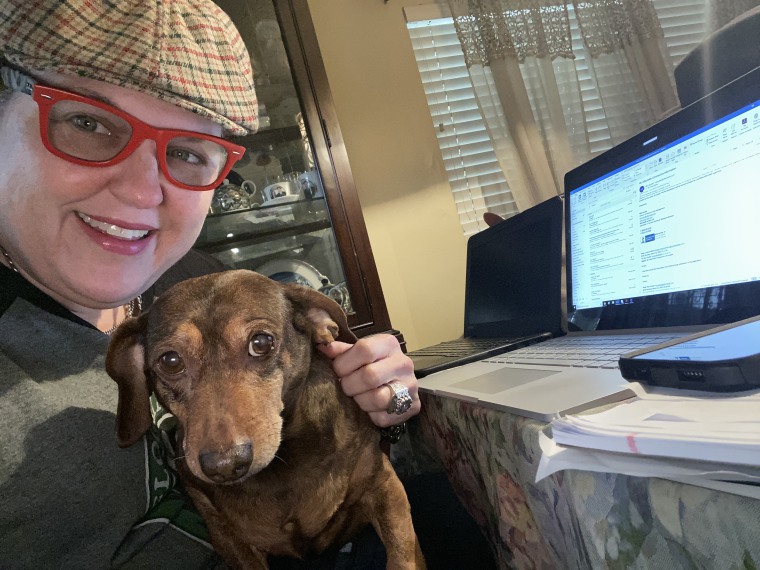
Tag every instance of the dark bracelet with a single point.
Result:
(392, 434)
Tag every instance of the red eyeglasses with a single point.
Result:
(92, 133)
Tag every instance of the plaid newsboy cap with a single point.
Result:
(186, 52)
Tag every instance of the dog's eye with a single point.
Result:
(171, 363)
(260, 344)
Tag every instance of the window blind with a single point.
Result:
(471, 165)
(477, 182)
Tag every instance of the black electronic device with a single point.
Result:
(512, 290)
(721, 359)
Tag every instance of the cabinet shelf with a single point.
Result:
(283, 223)
(265, 207)
(263, 237)
(266, 251)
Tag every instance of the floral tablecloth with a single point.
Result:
(574, 519)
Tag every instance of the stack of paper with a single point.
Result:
(697, 437)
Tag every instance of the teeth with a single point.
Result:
(112, 229)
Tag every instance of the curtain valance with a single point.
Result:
(497, 29)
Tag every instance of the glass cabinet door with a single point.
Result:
(271, 214)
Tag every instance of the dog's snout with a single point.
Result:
(228, 465)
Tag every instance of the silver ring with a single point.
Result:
(401, 401)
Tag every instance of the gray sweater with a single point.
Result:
(69, 497)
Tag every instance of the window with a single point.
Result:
(468, 154)
(471, 165)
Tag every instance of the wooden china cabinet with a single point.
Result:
(290, 209)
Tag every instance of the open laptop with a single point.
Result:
(661, 237)
(512, 290)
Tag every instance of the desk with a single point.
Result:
(574, 519)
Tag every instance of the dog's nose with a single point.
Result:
(227, 465)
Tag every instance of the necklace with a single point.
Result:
(8, 259)
(131, 309)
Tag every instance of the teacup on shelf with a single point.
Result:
(311, 185)
(255, 196)
(282, 192)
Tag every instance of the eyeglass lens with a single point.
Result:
(93, 134)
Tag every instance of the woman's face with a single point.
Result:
(76, 231)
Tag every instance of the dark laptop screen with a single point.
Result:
(513, 275)
(661, 230)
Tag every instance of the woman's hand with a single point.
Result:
(365, 369)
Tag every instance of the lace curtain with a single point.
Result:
(521, 59)
(494, 29)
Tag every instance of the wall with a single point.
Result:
(412, 222)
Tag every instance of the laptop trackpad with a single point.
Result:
(497, 381)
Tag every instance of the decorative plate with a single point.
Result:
(292, 271)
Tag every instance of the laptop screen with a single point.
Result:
(514, 273)
(661, 230)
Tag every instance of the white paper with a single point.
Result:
(739, 481)
(702, 438)
(674, 424)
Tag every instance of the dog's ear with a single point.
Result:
(318, 315)
(125, 363)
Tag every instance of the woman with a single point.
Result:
(145, 89)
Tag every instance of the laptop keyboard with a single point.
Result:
(589, 352)
(462, 346)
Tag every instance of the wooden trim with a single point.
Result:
(329, 151)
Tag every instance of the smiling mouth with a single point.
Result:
(113, 229)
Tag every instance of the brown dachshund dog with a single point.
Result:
(277, 459)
